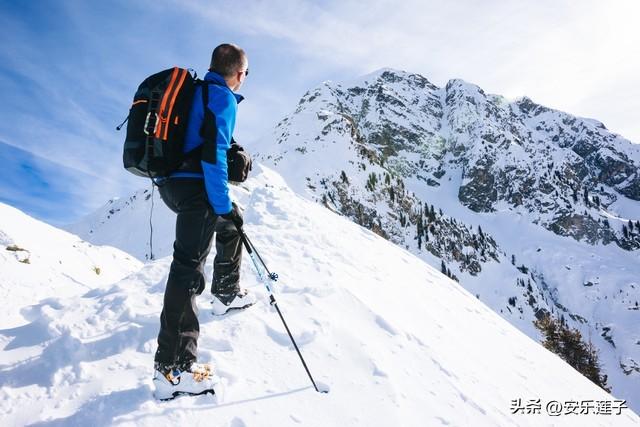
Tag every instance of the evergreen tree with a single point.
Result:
(549, 328)
(569, 345)
(443, 267)
(593, 369)
(371, 181)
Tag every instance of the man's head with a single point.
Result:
(230, 62)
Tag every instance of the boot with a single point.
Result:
(223, 303)
(193, 380)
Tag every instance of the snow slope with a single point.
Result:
(427, 141)
(39, 260)
(106, 226)
(382, 148)
(395, 341)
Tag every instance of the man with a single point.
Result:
(198, 193)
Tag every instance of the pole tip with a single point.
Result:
(322, 387)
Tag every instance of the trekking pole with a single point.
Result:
(272, 276)
(255, 257)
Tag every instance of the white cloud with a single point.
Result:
(68, 80)
(574, 56)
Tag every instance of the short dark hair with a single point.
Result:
(227, 59)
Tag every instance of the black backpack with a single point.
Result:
(157, 123)
(157, 126)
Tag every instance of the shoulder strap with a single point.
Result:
(208, 129)
(205, 95)
(205, 91)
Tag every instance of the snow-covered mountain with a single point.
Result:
(531, 209)
(488, 191)
(112, 223)
(395, 341)
(392, 128)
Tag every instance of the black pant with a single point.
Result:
(195, 226)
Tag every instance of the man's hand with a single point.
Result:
(234, 215)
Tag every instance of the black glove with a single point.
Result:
(234, 216)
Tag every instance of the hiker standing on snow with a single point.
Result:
(198, 193)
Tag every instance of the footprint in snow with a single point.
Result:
(377, 371)
(384, 324)
(283, 339)
(237, 422)
(34, 312)
(35, 333)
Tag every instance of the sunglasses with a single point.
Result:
(246, 72)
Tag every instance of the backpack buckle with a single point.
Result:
(151, 122)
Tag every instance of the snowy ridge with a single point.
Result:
(38, 259)
(516, 155)
(557, 194)
(419, 165)
(107, 225)
(397, 340)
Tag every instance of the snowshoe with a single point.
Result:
(222, 304)
(197, 379)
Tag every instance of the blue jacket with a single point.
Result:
(223, 103)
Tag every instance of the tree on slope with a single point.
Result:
(569, 345)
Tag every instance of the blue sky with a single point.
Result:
(68, 70)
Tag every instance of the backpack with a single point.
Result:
(157, 123)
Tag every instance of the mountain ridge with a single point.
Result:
(384, 156)
(390, 148)
(344, 292)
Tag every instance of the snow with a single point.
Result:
(47, 256)
(105, 226)
(395, 341)
(624, 209)
(453, 121)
